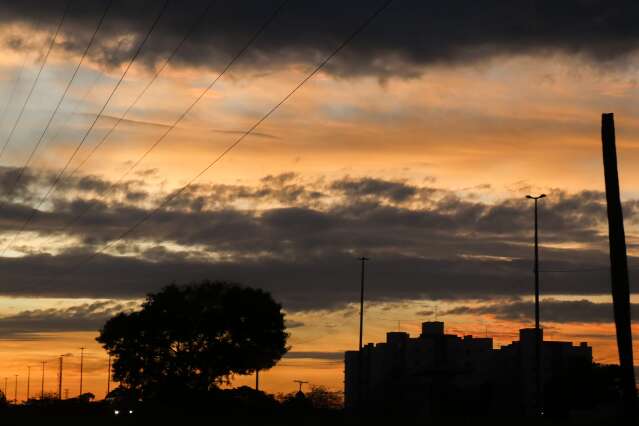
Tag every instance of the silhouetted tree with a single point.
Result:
(325, 399)
(195, 337)
(295, 402)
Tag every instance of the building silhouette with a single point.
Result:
(438, 373)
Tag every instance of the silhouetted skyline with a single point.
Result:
(415, 150)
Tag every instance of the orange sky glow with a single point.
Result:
(488, 132)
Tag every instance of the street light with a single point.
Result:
(538, 336)
(60, 374)
(536, 260)
(360, 354)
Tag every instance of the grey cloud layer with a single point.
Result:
(300, 239)
(85, 317)
(409, 35)
(552, 310)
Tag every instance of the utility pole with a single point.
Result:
(42, 382)
(536, 258)
(81, 366)
(300, 382)
(618, 267)
(28, 381)
(360, 355)
(538, 333)
(60, 375)
(109, 376)
(5, 389)
(257, 380)
(15, 392)
(60, 378)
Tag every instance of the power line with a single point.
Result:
(206, 90)
(88, 131)
(64, 95)
(173, 195)
(96, 81)
(177, 121)
(35, 82)
(14, 89)
(122, 77)
(195, 24)
(188, 34)
(91, 86)
(126, 71)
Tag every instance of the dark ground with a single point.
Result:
(336, 419)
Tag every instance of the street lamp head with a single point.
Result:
(536, 198)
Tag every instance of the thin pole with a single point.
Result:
(42, 382)
(538, 335)
(81, 366)
(257, 380)
(300, 383)
(360, 360)
(5, 389)
(618, 266)
(109, 376)
(536, 267)
(28, 382)
(538, 332)
(60, 379)
(15, 392)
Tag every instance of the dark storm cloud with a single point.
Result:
(395, 191)
(409, 35)
(315, 282)
(32, 183)
(326, 356)
(327, 219)
(552, 310)
(85, 317)
(300, 240)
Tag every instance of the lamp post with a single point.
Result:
(360, 354)
(538, 336)
(81, 367)
(61, 358)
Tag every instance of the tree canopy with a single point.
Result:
(195, 337)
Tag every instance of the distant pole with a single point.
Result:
(363, 261)
(42, 382)
(257, 380)
(538, 338)
(300, 382)
(60, 378)
(28, 382)
(15, 391)
(109, 376)
(81, 366)
(5, 388)
(618, 265)
(360, 355)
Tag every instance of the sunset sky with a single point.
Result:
(414, 146)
